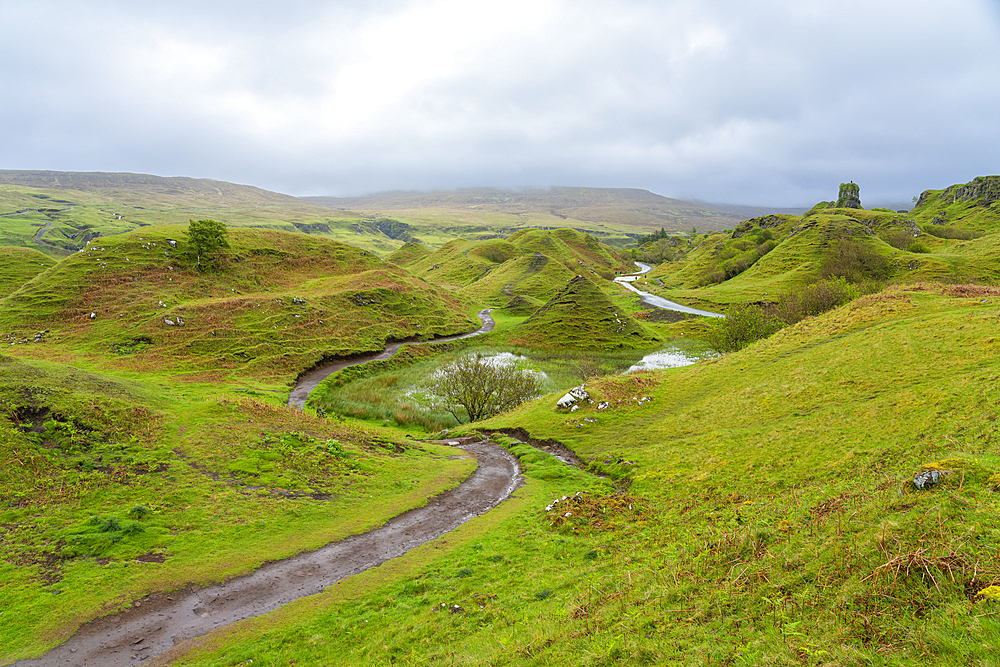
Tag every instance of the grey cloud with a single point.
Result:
(771, 102)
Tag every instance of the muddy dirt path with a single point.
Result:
(311, 379)
(158, 622)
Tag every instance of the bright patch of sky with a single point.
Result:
(773, 102)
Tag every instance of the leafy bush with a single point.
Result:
(814, 299)
(855, 262)
(897, 238)
(742, 326)
(480, 387)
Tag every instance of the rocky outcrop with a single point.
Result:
(850, 195)
(984, 190)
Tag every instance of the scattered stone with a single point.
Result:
(928, 478)
(603, 405)
(93, 314)
(299, 302)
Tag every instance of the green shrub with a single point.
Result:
(854, 261)
(951, 232)
(814, 299)
(899, 239)
(742, 326)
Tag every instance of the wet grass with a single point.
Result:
(115, 489)
(756, 509)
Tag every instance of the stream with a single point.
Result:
(311, 379)
(658, 301)
(157, 623)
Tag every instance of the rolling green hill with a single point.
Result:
(280, 303)
(765, 256)
(581, 317)
(531, 263)
(58, 212)
(19, 265)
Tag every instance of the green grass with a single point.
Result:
(772, 517)
(280, 303)
(18, 266)
(100, 474)
(81, 207)
(803, 243)
(582, 317)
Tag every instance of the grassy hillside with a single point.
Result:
(757, 509)
(410, 252)
(19, 265)
(58, 212)
(580, 317)
(114, 488)
(280, 303)
(532, 263)
(974, 206)
(764, 257)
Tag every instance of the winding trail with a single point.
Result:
(311, 379)
(658, 301)
(156, 623)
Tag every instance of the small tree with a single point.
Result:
(207, 239)
(482, 387)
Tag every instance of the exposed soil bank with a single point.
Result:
(157, 622)
(309, 380)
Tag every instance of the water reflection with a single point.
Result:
(671, 357)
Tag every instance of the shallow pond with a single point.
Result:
(671, 357)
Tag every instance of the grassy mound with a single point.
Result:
(534, 263)
(973, 206)
(280, 303)
(19, 265)
(410, 252)
(522, 305)
(581, 316)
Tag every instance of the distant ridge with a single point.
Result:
(122, 183)
(628, 207)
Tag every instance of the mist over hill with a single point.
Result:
(629, 207)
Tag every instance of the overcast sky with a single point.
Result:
(767, 102)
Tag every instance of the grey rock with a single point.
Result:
(928, 478)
